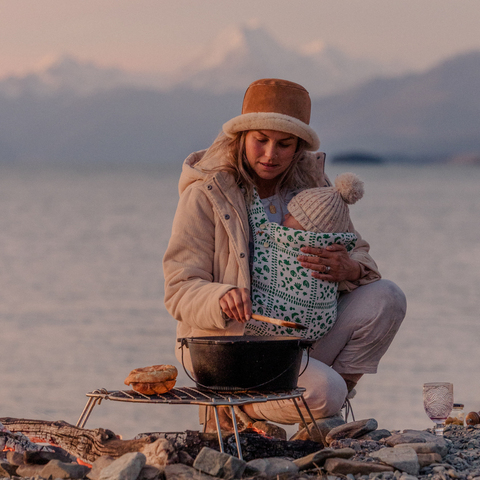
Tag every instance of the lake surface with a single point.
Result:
(81, 289)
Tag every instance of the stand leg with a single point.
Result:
(91, 402)
(219, 431)
(322, 438)
(237, 436)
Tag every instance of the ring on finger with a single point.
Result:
(327, 269)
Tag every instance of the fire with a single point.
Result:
(251, 429)
(8, 449)
(81, 462)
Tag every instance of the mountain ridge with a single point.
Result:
(236, 57)
(433, 114)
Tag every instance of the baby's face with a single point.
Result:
(291, 222)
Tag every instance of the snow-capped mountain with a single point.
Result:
(240, 55)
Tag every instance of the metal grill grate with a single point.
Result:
(196, 396)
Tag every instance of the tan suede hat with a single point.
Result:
(274, 104)
(325, 209)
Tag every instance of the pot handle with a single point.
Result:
(183, 341)
(308, 348)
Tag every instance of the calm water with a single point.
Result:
(81, 289)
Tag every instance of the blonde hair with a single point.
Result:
(301, 173)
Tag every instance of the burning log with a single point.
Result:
(85, 444)
(17, 442)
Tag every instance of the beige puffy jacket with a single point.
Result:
(207, 254)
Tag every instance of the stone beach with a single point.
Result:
(354, 451)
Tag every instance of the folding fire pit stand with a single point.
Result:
(195, 396)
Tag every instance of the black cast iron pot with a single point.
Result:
(239, 363)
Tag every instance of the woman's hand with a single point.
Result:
(236, 304)
(331, 263)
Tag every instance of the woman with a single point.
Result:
(268, 148)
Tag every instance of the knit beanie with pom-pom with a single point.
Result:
(325, 209)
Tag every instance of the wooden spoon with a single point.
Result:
(277, 321)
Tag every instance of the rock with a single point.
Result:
(219, 464)
(7, 469)
(42, 458)
(98, 465)
(352, 430)
(425, 459)
(414, 436)
(340, 466)
(127, 467)
(29, 470)
(402, 458)
(178, 471)
(376, 435)
(324, 424)
(452, 473)
(160, 453)
(406, 476)
(271, 467)
(15, 458)
(427, 447)
(58, 469)
(318, 459)
(271, 430)
(185, 458)
(150, 473)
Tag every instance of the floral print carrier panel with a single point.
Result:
(281, 287)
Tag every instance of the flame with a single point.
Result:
(8, 449)
(81, 462)
(251, 429)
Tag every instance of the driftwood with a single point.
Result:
(85, 444)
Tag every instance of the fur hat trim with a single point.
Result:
(273, 121)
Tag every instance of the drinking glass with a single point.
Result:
(438, 403)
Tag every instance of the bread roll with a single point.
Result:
(153, 388)
(156, 379)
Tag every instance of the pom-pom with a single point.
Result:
(350, 187)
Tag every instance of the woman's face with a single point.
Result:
(269, 153)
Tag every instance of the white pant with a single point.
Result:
(368, 319)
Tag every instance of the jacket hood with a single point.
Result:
(196, 170)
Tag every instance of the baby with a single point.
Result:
(281, 287)
(325, 209)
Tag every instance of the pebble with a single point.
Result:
(219, 464)
(272, 467)
(127, 467)
(401, 458)
(352, 430)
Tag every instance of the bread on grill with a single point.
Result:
(156, 379)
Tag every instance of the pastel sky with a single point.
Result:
(160, 35)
